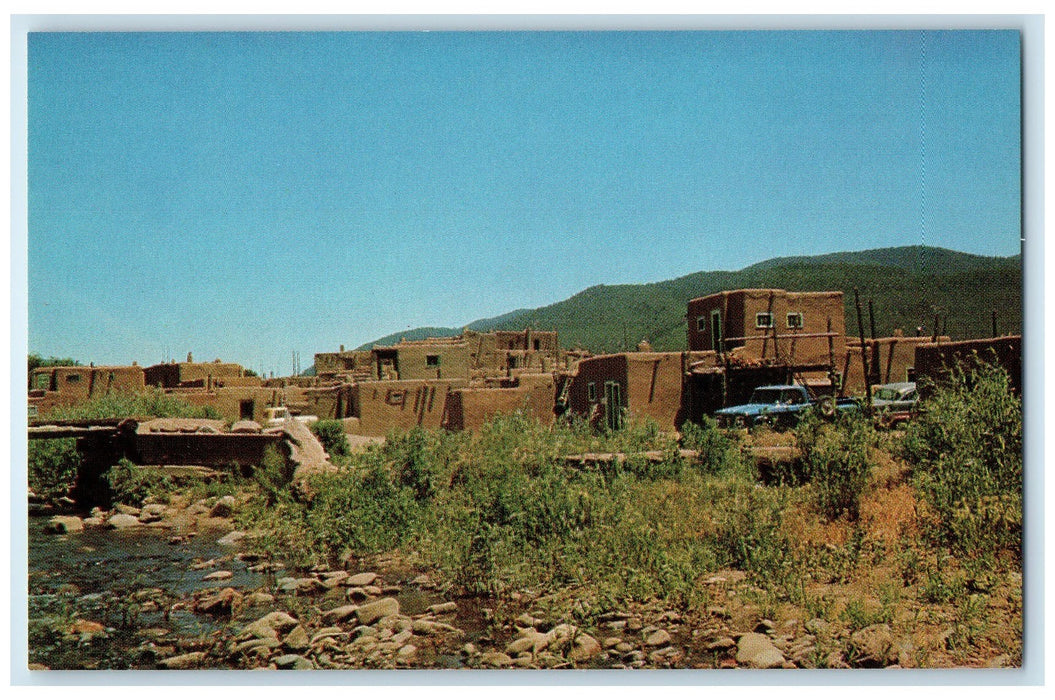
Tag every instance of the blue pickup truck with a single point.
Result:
(781, 406)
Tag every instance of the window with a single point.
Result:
(795, 320)
(432, 360)
(591, 391)
(764, 320)
(701, 323)
(395, 397)
(73, 378)
(537, 343)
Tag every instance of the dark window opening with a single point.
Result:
(764, 320)
(245, 409)
(432, 360)
(795, 320)
(537, 344)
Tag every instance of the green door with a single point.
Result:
(613, 405)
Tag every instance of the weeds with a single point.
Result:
(966, 449)
(837, 462)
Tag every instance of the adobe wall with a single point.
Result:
(471, 409)
(807, 344)
(342, 362)
(891, 359)
(170, 375)
(654, 387)
(934, 360)
(54, 387)
(595, 371)
(400, 405)
(414, 363)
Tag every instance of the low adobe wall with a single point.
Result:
(471, 409)
(934, 361)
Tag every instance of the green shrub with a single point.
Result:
(717, 452)
(131, 484)
(332, 437)
(149, 404)
(966, 452)
(52, 467)
(837, 462)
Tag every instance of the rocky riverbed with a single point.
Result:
(175, 586)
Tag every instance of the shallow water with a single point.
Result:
(125, 580)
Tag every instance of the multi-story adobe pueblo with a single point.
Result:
(737, 340)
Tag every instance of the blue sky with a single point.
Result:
(244, 195)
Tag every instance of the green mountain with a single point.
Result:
(906, 287)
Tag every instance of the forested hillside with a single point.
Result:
(906, 286)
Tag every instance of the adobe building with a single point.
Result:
(472, 355)
(190, 374)
(890, 359)
(470, 408)
(635, 385)
(935, 362)
(62, 387)
(355, 365)
(377, 407)
(792, 328)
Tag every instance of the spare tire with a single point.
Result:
(827, 407)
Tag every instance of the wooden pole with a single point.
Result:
(831, 358)
(864, 358)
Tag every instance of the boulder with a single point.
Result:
(584, 647)
(183, 661)
(222, 602)
(293, 662)
(61, 524)
(370, 613)
(363, 579)
(122, 521)
(757, 651)
(873, 646)
(269, 625)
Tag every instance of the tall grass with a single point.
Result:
(966, 452)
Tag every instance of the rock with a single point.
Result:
(497, 659)
(339, 614)
(406, 653)
(246, 426)
(443, 608)
(299, 586)
(221, 575)
(223, 602)
(121, 521)
(259, 598)
(720, 644)
(584, 647)
(231, 538)
(94, 522)
(269, 625)
(293, 662)
(657, 638)
(152, 513)
(183, 661)
(372, 612)
(223, 508)
(332, 579)
(61, 524)
(873, 646)
(432, 627)
(297, 639)
(530, 640)
(757, 651)
(127, 510)
(527, 620)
